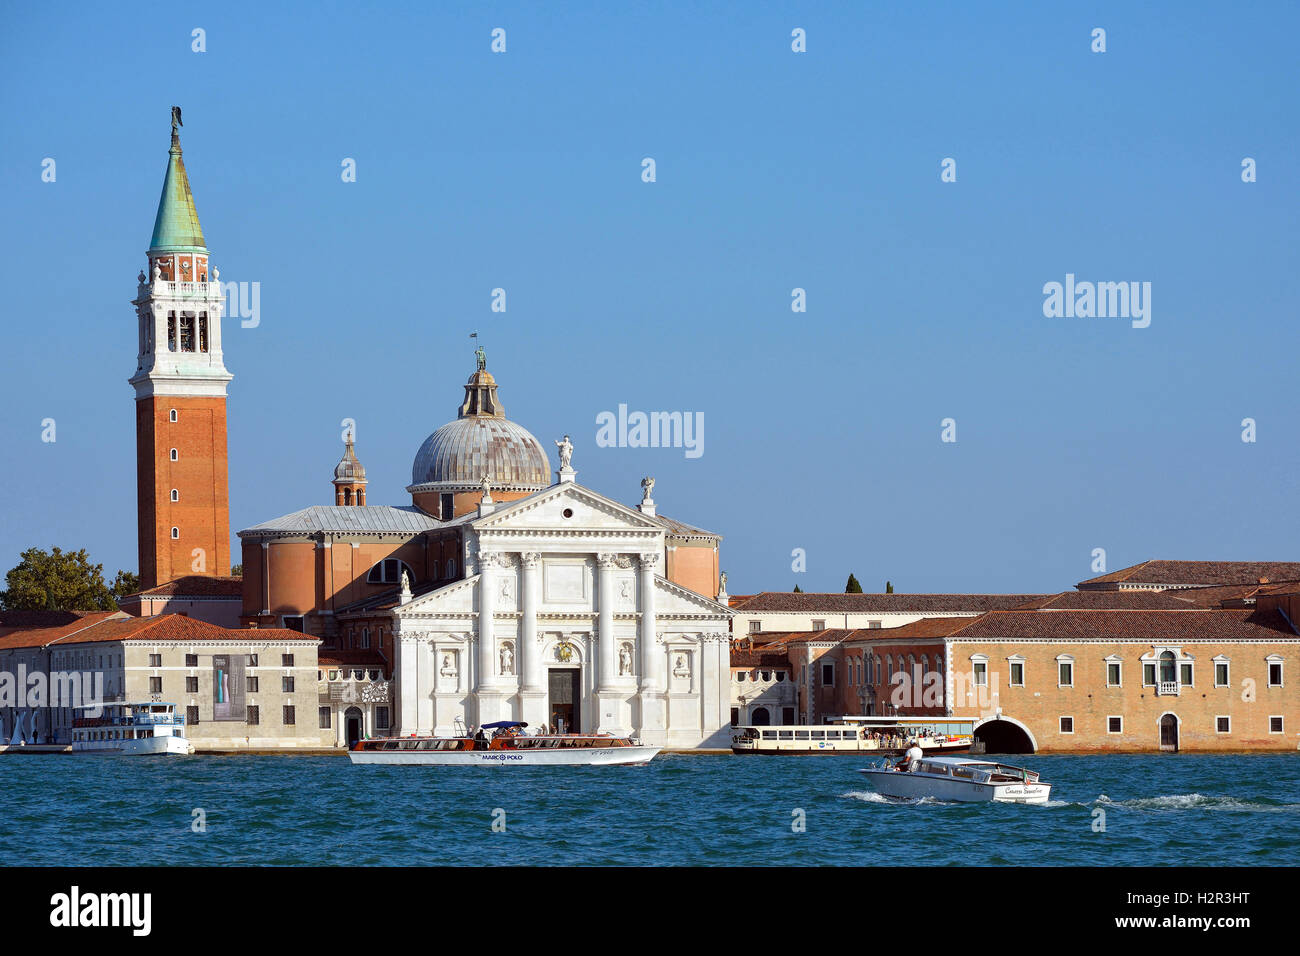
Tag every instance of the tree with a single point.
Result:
(798, 590)
(889, 587)
(57, 581)
(853, 587)
(126, 582)
(236, 570)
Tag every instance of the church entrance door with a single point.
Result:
(564, 699)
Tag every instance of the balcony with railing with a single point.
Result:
(1167, 688)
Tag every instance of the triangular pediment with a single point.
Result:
(455, 597)
(545, 511)
(671, 598)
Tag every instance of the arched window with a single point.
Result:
(175, 455)
(389, 571)
(173, 414)
(176, 495)
(176, 532)
(1168, 672)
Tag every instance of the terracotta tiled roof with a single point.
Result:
(54, 626)
(880, 603)
(1163, 626)
(1105, 600)
(350, 658)
(197, 585)
(735, 600)
(760, 657)
(13, 619)
(117, 626)
(924, 628)
(1198, 573)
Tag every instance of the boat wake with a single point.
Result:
(870, 796)
(1197, 801)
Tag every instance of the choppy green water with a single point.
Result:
(1170, 810)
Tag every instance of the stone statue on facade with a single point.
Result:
(566, 451)
(481, 358)
(448, 668)
(487, 489)
(681, 668)
(647, 488)
(625, 660)
(507, 660)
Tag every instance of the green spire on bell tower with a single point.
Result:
(176, 227)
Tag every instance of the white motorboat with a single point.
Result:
(506, 748)
(959, 779)
(137, 730)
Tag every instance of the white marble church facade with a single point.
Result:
(563, 616)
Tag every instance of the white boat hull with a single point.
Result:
(566, 757)
(915, 786)
(164, 746)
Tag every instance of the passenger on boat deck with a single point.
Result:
(912, 759)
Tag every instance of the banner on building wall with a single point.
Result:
(228, 687)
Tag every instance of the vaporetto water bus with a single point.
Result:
(882, 735)
(507, 747)
(133, 729)
(958, 779)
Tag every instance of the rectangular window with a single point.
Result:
(981, 674)
(171, 331)
(191, 660)
(324, 718)
(250, 685)
(447, 507)
(203, 331)
(755, 627)
(192, 715)
(1067, 725)
(1114, 725)
(1017, 674)
(1274, 674)
(381, 718)
(187, 332)
(155, 660)
(155, 685)
(1113, 674)
(828, 675)
(1066, 674)
(873, 625)
(286, 684)
(252, 660)
(1221, 674)
(191, 685)
(735, 716)
(286, 660)
(1275, 725)
(1223, 725)
(1185, 675)
(819, 625)
(1148, 675)
(254, 715)
(288, 715)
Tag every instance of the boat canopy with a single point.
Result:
(504, 723)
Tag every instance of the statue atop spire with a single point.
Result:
(481, 356)
(176, 119)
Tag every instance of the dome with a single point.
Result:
(481, 441)
(349, 468)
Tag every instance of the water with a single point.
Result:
(1168, 810)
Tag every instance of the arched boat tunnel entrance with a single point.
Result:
(1002, 735)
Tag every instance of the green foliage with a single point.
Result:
(889, 587)
(236, 570)
(59, 581)
(853, 587)
(798, 590)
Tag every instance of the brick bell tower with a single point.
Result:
(180, 395)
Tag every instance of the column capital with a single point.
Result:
(491, 559)
(529, 559)
(607, 560)
(649, 560)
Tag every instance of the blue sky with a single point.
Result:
(775, 170)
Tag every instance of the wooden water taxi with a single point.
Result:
(958, 779)
(506, 747)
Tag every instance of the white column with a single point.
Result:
(653, 725)
(530, 659)
(487, 565)
(605, 654)
(407, 682)
(424, 713)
